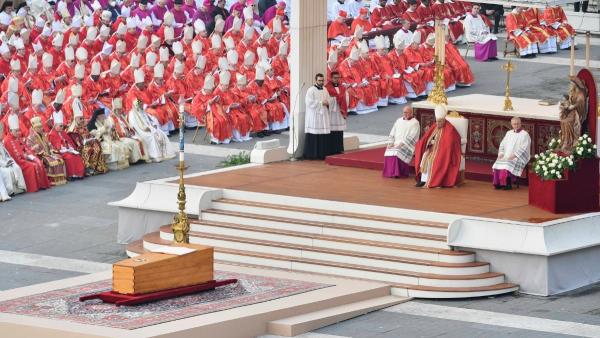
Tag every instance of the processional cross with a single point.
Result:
(508, 67)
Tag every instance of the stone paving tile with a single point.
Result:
(383, 324)
(16, 276)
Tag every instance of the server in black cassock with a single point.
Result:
(317, 121)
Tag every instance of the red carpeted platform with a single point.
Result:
(373, 159)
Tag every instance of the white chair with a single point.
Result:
(461, 124)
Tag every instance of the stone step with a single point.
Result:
(264, 245)
(331, 216)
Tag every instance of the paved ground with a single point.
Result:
(53, 234)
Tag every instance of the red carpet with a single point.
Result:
(373, 159)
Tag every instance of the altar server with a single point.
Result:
(437, 154)
(317, 121)
(478, 32)
(513, 156)
(401, 145)
(338, 112)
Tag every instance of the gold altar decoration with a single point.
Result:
(438, 94)
(508, 67)
(181, 224)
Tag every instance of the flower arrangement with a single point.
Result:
(551, 164)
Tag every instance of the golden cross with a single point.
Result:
(508, 67)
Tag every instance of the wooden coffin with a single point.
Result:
(157, 271)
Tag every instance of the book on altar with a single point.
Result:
(170, 267)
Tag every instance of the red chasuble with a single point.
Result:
(446, 157)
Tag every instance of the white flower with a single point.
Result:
(545, 168)
(536, 156)
(559, 175)
(558, 141)
(584, 142)
(553, 171)
(594, 146)
(560, 166)
(580, 138)
(589, 150)
(589, 139)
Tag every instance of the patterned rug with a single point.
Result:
(64, 304)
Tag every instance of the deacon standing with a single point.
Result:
(513, 156)
(317, 121)
(338, 113)
(437, 154)
(401, 145)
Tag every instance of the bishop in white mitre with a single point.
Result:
(11, 177)
(478, 32)
(156, 143)
(401, 145)
(513, 156)
(317, 122)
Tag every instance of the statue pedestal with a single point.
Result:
(577, 192)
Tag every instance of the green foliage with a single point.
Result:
(233, 160)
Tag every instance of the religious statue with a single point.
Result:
(570, 125)
(578, 99)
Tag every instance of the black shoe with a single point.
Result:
(497, 187)
(420, 184)
(260, 135)
(277, 132)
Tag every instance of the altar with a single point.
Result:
(488, 123)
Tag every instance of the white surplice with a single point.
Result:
(403, 138)
(517, 144)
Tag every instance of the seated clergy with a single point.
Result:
(126, 134)
(116, 154)
(10, 173)
(401, 145)
(156, 143)
(86, 144)
(438, 154)
(478, 32)
(513, 156)
(62, 141)
(31, 166)
(38, 142)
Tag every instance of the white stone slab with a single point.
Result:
(493, 105)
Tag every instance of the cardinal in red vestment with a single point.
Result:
(33, 169)
(438, 154)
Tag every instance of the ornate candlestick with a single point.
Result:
(438, 94)
(181, 224)
(508, 67)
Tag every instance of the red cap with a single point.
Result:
(343, 14)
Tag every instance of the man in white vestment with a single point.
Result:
(156, 142)
(354, 7)
(334, 7)
(11, 177)
(478, 32)
(338, 112)
(513, 156)
(317, 121)
(401, 145)
(404, 34)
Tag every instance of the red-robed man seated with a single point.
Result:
(437, 154)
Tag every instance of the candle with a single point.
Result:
(572, 64)
(181, 132)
